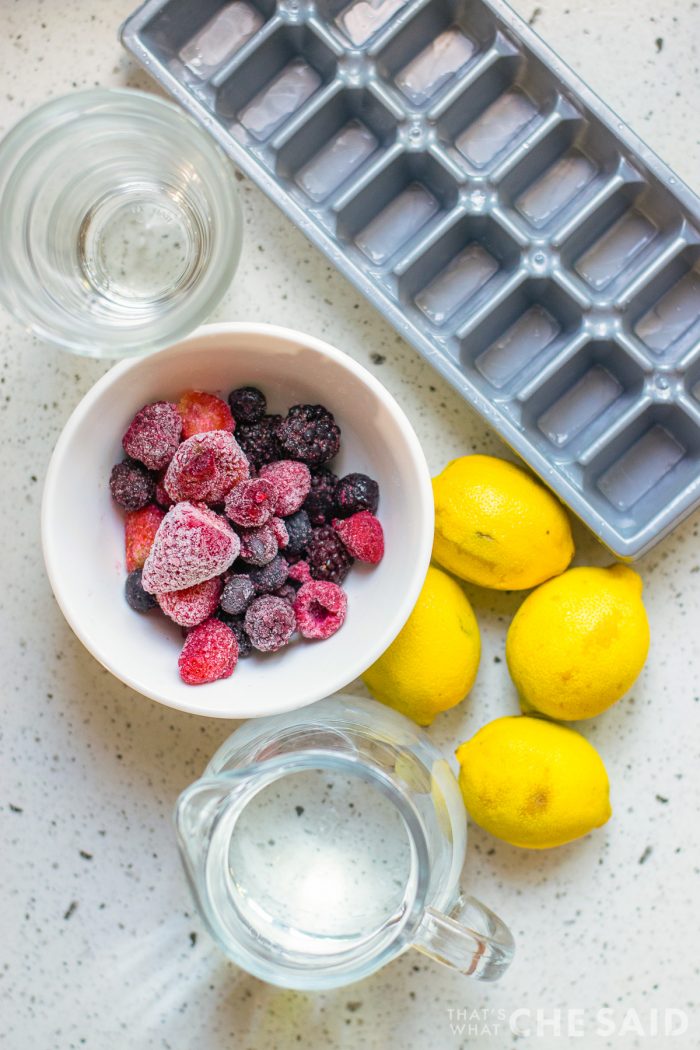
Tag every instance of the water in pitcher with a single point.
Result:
(315, 862)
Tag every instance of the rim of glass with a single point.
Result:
(24, 139)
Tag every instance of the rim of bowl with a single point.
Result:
(51, 547)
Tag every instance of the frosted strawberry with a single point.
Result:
(140, 528)
(292, 482)
(210, 652)
(192, 544)
(206, 467)
(362, 535)
(201, 412)
(193, 605)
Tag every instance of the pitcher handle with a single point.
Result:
(470, 939)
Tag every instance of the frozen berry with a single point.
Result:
(210, 652)
(298, 531)
(140, 528)
(162, 497)
(363, 536)
(238, 593)
(270, 577)
(287, 591)
(309, 433)
(356, 492)
(137, 598)
(131, 485)
(193, 605)
(299, 572)
(258, 546)
(245, 647)
(201, 412)
(259, 440)
(251, 502)
(320, 502)
(247, 403)
(269, 623)
(320, 609)
(205, 467)
(154, 435)
(279, 528)
(192, 544)
(327, 555)
(291, 481)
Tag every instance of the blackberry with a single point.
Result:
(245, 647)
(320, 502)
(309, 433)
(356, 492)
(237, 594)
(270, 577)
(131, 485)
(247, 403)
(259, 440)
(327, 557)
(299, 531)
(137, 598)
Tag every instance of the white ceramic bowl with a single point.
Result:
(83, 537)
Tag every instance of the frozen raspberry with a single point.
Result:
(193, 605)
(356, 492)
(131, 485)
(363, 536)
(247, 403)
(153, 435)
(291, 481)
(258, 546)
(327, 555)
(270, 577)
(299, 572)
(320, 609)
(251, 503)
(269, 623)
(205, 467)
(140, 528)
(287, 591)
(162, 497)
(298, 531)
(238, 593)
(139, 600)
(259, 440)
(320, 502)
(210, 652)
(279, 527)
(309, 433)
(201, 412)
(192, 544)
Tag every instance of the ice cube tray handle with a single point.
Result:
(470, 939)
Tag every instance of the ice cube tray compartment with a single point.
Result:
(490, 206)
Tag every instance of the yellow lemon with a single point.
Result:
(498, 527)
(533, 783)
(578, 642)
(432, 663)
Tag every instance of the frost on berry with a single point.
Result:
(153, 435)
(320, 608)
(206, 467)
(192, 544)
(210, 652)
(193, 605)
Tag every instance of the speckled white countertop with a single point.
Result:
(100, 946)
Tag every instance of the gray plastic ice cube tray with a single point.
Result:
(521, 237)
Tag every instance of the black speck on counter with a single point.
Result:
(660, 798)
(193, 938)
(659, 43)
(645, 855)
(70, 909)
(299, 810)
(85, 855)
(353, 1006)
(377, 359)
(534, 16)
(15, 809)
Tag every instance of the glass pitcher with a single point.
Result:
(321, 844)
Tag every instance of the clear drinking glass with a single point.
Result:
(119, 222)
(321, 844)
